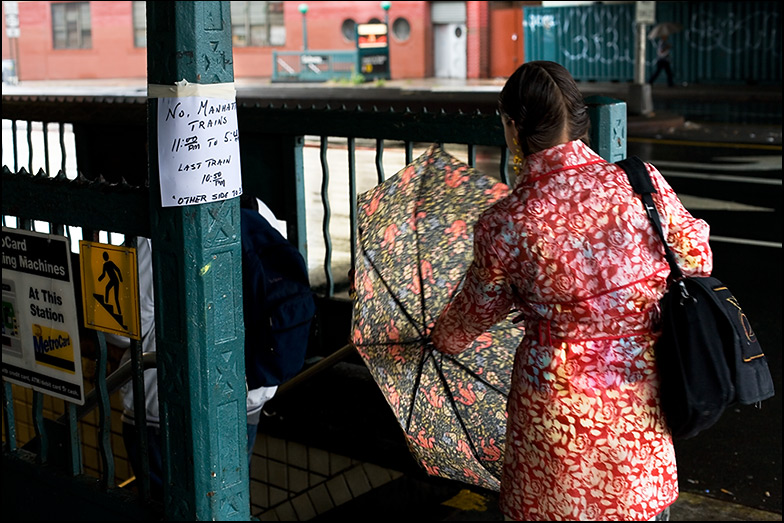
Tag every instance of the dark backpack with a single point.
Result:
(278, 304)
(707, 357)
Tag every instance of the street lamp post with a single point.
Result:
(640, 99)
(303, 8)
(385, 6)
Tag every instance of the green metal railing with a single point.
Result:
(313, 66)
(273, 144)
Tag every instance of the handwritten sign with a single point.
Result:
(198, 150)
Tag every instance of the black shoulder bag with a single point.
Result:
(708, 357)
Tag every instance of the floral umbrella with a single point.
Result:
(415, 243)
(664, 29)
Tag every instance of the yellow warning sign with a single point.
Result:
(110, 288)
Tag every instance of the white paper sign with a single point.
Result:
(645, 12)
(198, 150)
(41, 348)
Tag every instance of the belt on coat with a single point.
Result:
(550, 332)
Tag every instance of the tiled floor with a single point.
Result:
(292, 482)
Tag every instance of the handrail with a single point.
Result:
(122, 375)
(364, 113)
(315, 369)
(114, 382)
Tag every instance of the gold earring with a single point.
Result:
(517, 161)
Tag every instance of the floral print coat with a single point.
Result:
(572, 249)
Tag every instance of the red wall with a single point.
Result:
(324, 21)
(113, 54)
(477, 27)
(6, 45)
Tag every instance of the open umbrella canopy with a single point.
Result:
(415, 239)
(664, 29)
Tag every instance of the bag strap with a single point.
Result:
(641, 182)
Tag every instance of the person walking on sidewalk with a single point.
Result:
(663, 61)
(572, 250)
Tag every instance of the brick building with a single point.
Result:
(100, 40)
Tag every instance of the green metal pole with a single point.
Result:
(385, 6)
(303, 8)
(608, 127)
(198, 290)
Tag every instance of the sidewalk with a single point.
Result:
(412, 499)
(347, 389)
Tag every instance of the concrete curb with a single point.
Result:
(653, 123)
(694, 507)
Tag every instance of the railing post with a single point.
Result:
(198, 290)
(273, 170)
(608, 127)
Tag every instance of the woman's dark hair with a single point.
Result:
(542, 97)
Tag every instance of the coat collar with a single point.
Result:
(545, 163)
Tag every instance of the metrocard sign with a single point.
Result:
(41, 347)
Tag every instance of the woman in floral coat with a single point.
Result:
(573, 249)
